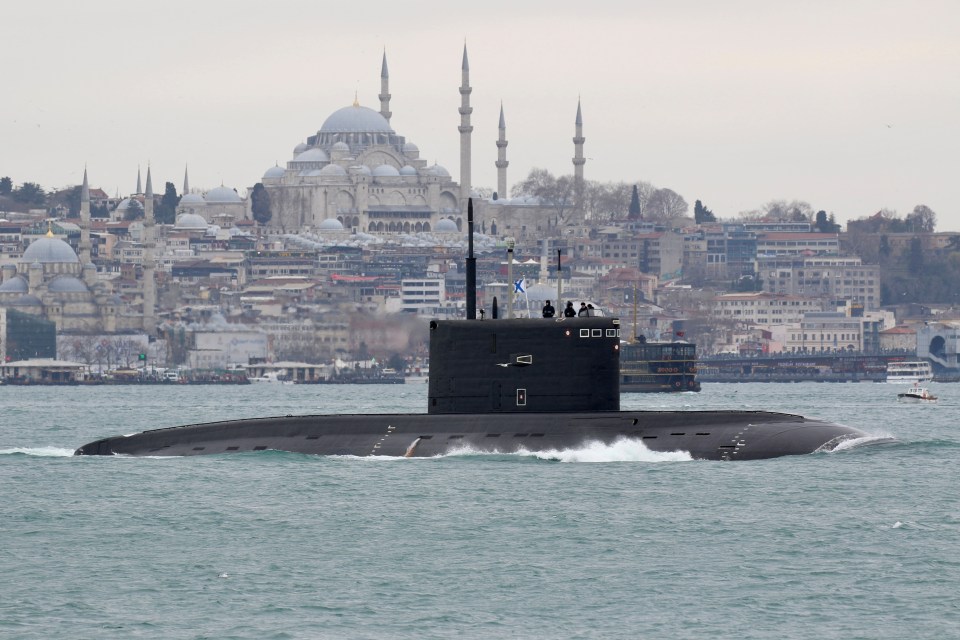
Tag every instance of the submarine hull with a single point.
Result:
(707, 435)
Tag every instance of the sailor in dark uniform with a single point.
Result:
(569, 312)
(548, 310)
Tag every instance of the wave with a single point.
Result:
(621, 450)
(40, 452)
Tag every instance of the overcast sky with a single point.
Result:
(852, 106)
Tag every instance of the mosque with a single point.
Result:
(357, 174)
(52, 281)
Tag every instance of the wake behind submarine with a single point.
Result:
(503, 386)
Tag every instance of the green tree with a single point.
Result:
(701, 214)
(6, 186)
(916, 256)
(73, 202)
(633, 212)
(30, 194)
(166, 212)
(260, 204)
(134, 210)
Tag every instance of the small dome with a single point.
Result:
(222, 194)
(27, 300)
(356, 119)
(67, 284)
(340, 146)
(407, 170)
(437, 170)
(274, 172)
(385, 171)
(124, 204)
(191, 221)
(362, 169)
(16, 284)
(445, 225)
(410, 149)
(300, 148)
(48, 249)
(193, 199)
(313, 155)
(333, 170)
(331, 224)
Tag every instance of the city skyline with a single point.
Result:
(850, 106)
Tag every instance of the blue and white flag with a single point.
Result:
(518, 286)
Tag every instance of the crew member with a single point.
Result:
(583, 309)
(548, 310)
(569, 311)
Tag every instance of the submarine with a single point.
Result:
(504, 386)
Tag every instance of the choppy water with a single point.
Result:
(599, 543)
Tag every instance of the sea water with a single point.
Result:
(601, 542)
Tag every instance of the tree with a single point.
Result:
(166, 212)
(260, 204)
(30, 194)
(134, 210)
(701, 214)
(916, 256)
(666, 204)
(73, 202)
(783, 211)
(633, 212)
(6, 186)
(921, 220)
(554, 192)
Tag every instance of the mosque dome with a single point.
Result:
(385, 171)
(222, 195)
(313, 155)
(191, 221)
(446, 224)
(437, 170)
(49, 249)
(300, 148)
(356, 119)
(331, 224)
(274, 172)
(361, 168)
(407, 170)
(16, 284)
(340, 146)
(333, 170)
(192, 199)
(410, 149)
(67, 284)
(27, 300)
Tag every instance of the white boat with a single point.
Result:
(916, 394)
(270, 377)
(912, 371)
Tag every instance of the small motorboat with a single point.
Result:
(918, 394)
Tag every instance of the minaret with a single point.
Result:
(465, 131)
(502, 158)
(578, 162)
(139, 188)
(385, 89)
(85, 220)
(149, 284)
(186, 181)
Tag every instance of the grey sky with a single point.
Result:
(850, 105)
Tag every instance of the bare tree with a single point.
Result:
(553, 192)
(922, 219)
(666, 204)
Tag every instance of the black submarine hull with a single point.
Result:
(707, 435)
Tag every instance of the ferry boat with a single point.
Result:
(909, 371)
(652, 367)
